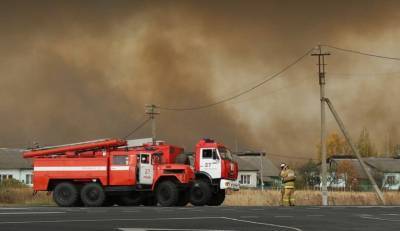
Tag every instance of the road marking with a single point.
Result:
(149, 219)
(107, 220)
(249, 216)
(377, 218)
(150, 229)
(25, 213)
(363, 206)
(265, 224)
(316, 215)
(14, 208)
(390, 214)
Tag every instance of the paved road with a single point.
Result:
(200, 218)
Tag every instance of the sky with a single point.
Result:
(79, 70)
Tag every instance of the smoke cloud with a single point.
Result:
(73, 71)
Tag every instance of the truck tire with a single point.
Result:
(131, 199)
(183, 198)
(167, 194)
(93, 195)
(65, 194)
(200, 193)
(217, 198)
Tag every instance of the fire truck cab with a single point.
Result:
(215, 171)
(213, 166)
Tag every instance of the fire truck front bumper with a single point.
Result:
(229, 184)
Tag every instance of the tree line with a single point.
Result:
(308, 173)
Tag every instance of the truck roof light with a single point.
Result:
(208, 140)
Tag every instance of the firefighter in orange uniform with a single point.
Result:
(288, 178)
(282, 186)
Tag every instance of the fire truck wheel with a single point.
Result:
(93, 195)
(183, 198)
(167, 193)
(65, 194)
(131, 199)
(200, 193)
(217, 198)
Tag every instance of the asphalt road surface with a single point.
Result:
(200, 218)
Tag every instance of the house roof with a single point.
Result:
(387, 165)
(12, 159)
(384, 165)
(252, 163)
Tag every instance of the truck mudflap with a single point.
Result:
(229, 184)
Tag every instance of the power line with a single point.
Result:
(260, 96)
(137, 128)
(361, 53)
(379, 74)
(266, 80)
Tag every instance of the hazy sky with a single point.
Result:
(81, 70)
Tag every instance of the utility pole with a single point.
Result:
(321, 75)
(355, 151)
(151, 111)
(262, 170)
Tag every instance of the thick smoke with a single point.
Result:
(72, 71)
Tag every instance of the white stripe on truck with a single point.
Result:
(70, 168)
(120, 168)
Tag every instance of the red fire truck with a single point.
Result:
(109, 171)
(213, 165)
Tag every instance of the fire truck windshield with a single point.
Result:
(225, 153)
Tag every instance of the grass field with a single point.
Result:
(14, 193)
(308, 197)
(22, 195)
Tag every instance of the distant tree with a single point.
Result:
(364, 144)
(335, 145)
(396, 150)
(346, 168)
(308, 174)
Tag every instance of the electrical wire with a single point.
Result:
(136, 128)
(266, 80)
(382, 74)
(361, 53)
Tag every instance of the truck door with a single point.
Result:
(210, 162)
(122, 169)
(146, 170)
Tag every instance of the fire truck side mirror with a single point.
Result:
(215, 155)
(157, 158)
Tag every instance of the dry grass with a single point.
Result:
(23, 196)
(307, 197)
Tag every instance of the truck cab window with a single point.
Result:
(156, 159)
(209, 154)
(144, 159)
(120, 160)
